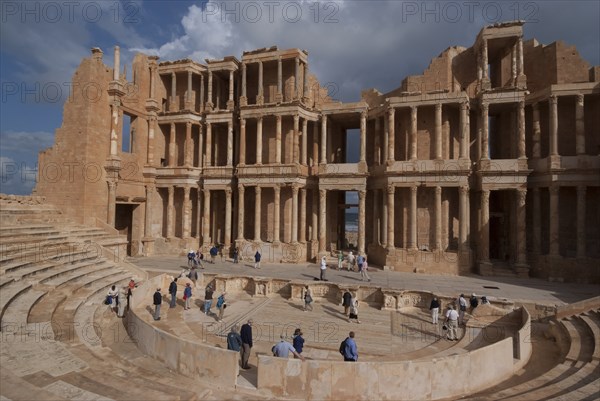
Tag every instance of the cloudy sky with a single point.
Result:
(352, 45)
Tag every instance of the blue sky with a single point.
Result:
(352, 45)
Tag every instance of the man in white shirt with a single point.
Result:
(323, 268)
(462, 308)
(452, 323)
(282, 349)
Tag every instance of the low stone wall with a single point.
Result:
(578, 307)
(189, 358)
(419, 261)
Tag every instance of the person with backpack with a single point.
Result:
(187, 295)
(221, 305)
(257, 260)
(462, 308)
(214, 251)
(308, 299)
(340, 260)
(434, 307)
(173, 292)
(363, 270)
(474, 302)
(348, 348)
(191, 254)
(208, 299)
(359, 261)
(282, 349)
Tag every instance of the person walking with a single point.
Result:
(111, 297)
(234, 340)
(451, 323)
(351, 260)
(462, 308)
(187, 295)
(191, 254)
(323, 268)
(121, 302)
(359, 261)
(282, 349)
(208, 299)
(340, 260)
(363, 270)
(235, 255)
(434, 307)
(157, 301)
(350, 350)
(257, 260)
(298, 341)
(354, 311)
(346, 301)
(173, 292)
(193, 275)
(221, 305)
(246, 334)
(308, 299)
(474, 302)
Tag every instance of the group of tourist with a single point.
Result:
(187, 296)
(454, 317)
(196, 258)
(353, 263)
(115, 298)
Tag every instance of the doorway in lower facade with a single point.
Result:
(124, 223)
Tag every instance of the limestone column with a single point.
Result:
(413, 218)
(259, 145)
(521, 227)
(521, 131)
(112, 199)
(303, 154)
(296, 78)
(148, 212)
(229, 143)
(198, 214)
(579, 126)
(206, 218)
(279, 81)
(376, 147)
(294, 213)
(438, 218)
(324, 139)
(463, 215)
(227, 239)
(362, 195)
(187, 213)
(537, 131)
(305, 82)
(581, 191)
(391, 136)
(244, 97)
(303, 215)
(537, 230)
(277, 214)
(553, 104)
(241, 205)
(438, 131)
(200, 145)
(201, 92)
(117, 63)
(242, 141)
(260, 99)
(520, 69)
(363, 137)
(296, 140)
(554, 222)
(315, 216)
(188, 97)
(170, 213)
(150, 153)
(484, 252)
(384, 219)
(413, 133)
(386, 138)
(485, 151)
(230, 102)
(464, 130)
(257, 207)
(152, 72)
(484, 58)
(208, 158)
(376, 216)
(172, 161)
(315, 158)
(209, 103)
(513, 64)
(173, 92)
(278, 140)
(188, 146)
(390, 218)
(322, 220)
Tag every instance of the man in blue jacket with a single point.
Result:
(257, 260)
(350, 350)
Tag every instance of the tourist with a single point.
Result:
(187, 295)
(111, 297)
(208, 299)
(308, 299)
(213, 253)
(173, 292)
(451, 323)
(462, 308)
(157, 302)
(346, 301)
(121, 302)
(221, 305)
(340, 260)
(234, 340)
(353, 311)
(349, 349)
(129, 295)
(257, 260)
(474, 302)
(235, 255)
(193, 276)
(221, 252)
(191, 255)
(282, 349)
(351, 260)
(199, 258)
(132, 284)
(298, 341)
(323, 268)
(363, 270)
(484, 300)
(434, 307)
(246, 335)
(359, 261)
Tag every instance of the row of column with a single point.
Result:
(388, 217)
(553, 124)
(483, 127)
(554, 221)
(279, 95)
(189, 99)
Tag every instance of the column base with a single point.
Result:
(148, 244)
(189, 106)
(553, 162)
(260, 100)
(209, 106)
(522, 270)
(485, 268)
(243, 101)
(230, 105)
(278, 98)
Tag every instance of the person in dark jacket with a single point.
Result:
(157, 302)
(234, 340)
(434, 307)
(246, 335)
(298, 341)
(257, 260)
(346, 301)
(173, 292)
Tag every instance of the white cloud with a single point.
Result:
(16, 178)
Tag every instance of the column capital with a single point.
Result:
(581, 189)
(580, 97)
(277, 188)
(535, 106)
(241, 188)
(322, 193)
(414, 189)
(242, 121)
(438, 190)
(463, 189)
(169, 189)
(484, 105)
(554, 190)
(521, 197)
(295, 189)
(228, 191)
(390, 189)
(188, 124)
(391, 110)
(278, 118)
(362, 194)
(553, 99)
(364, 114)
(257, 189)
(438, 106)
(485, 196)
(465, 105)
(296, 119)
